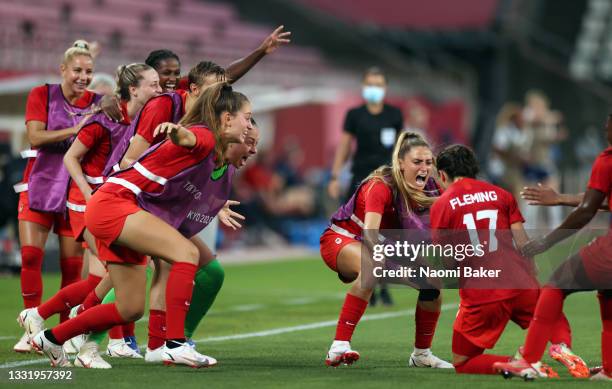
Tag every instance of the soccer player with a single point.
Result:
(51, 120)
(589, 269)
(87, 159)
(494, 218)
(376, 205)
(125, 233)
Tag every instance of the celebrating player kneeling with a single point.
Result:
(484, 312)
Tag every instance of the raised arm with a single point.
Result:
(178, 134)
(579, 218)
(547, 196)
(240, 67)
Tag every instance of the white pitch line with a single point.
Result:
(311, 326)
(276, 331)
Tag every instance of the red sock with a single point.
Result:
(31, 276)
(116, 332)
(562, 332)
(90, 301)
(178, 298)
(157, 329)
(426, 322)
(71, 273)
(351, 313)
(128, 329)
(547, 312)
(98, 318)
(71, 270)
(481, 364)
(605, 308)
(68, 297)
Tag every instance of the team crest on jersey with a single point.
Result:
(338, 240)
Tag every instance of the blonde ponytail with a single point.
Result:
(393, 176)
(79, 47)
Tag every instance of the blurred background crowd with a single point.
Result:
(526, 83)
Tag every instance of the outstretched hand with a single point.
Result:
(275, 40)
(229, 217)
(168, 129)
(540, 195)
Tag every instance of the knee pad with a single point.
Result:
(428, 294)
(31, 257)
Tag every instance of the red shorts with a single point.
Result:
(597, 261)
(61, 225)
(104, 218)
(331, 243)
(77, 222)
(482, 325)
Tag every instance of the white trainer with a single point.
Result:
(53, 351)
(601, 376)
(23, 346)
(89, 357)
(340, 353)
(154, 355)
(31, 322)
(425, 358)
(69, 348)
(186, 355)
(117, 348)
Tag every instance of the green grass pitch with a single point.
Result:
(267, 303)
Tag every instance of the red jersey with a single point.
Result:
(152, 171)
(601, 175)
(36, 109)
(156, 111)
(183, 84)
(97, 139)
(469, 205)
(373, 196)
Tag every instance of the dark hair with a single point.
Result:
(155, 57)
(204, 69)
(458, 161)
(127, 76)
(209, 106)
(374, 71)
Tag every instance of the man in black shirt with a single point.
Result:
(375, 127)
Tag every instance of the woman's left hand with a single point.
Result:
(229, 217)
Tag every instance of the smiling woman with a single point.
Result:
(53, 116)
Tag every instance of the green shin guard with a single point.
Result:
(208, 282)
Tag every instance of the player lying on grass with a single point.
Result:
(485, 312)
(377, 204)
(589, 269)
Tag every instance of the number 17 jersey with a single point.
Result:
(483, 213)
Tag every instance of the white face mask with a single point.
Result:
(373, 94)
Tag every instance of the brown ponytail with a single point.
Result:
(216, 99)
